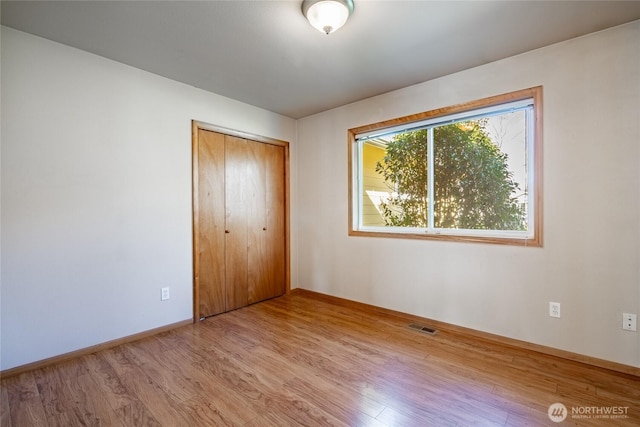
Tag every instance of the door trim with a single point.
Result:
(196, 126)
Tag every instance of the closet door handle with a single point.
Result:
(227, 231)
(264, 228)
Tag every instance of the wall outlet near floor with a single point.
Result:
(165, 294)
(554, 309)
(629, 321)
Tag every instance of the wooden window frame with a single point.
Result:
(535, 240)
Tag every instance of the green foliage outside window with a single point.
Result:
(473, 187)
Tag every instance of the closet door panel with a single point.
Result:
(210, 276)
(257, 223)
(274, 236)
(237, 199)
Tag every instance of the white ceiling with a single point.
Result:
(264, 52)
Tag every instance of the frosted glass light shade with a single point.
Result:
(327, 15)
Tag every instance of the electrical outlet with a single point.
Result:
(629, 321)
(165, 294)
(554, 309)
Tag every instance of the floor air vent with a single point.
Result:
(423, 329)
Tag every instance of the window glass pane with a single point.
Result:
(480, 173)
(375, 191)
(401, 172)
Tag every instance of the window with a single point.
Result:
(470, 172)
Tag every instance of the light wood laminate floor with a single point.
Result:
(301, 360)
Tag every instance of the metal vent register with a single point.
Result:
(423, 329)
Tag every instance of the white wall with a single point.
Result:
(96, 195)
(590, 261)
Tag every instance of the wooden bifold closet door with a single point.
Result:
(239, 222)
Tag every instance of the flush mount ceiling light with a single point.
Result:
(327, 15)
